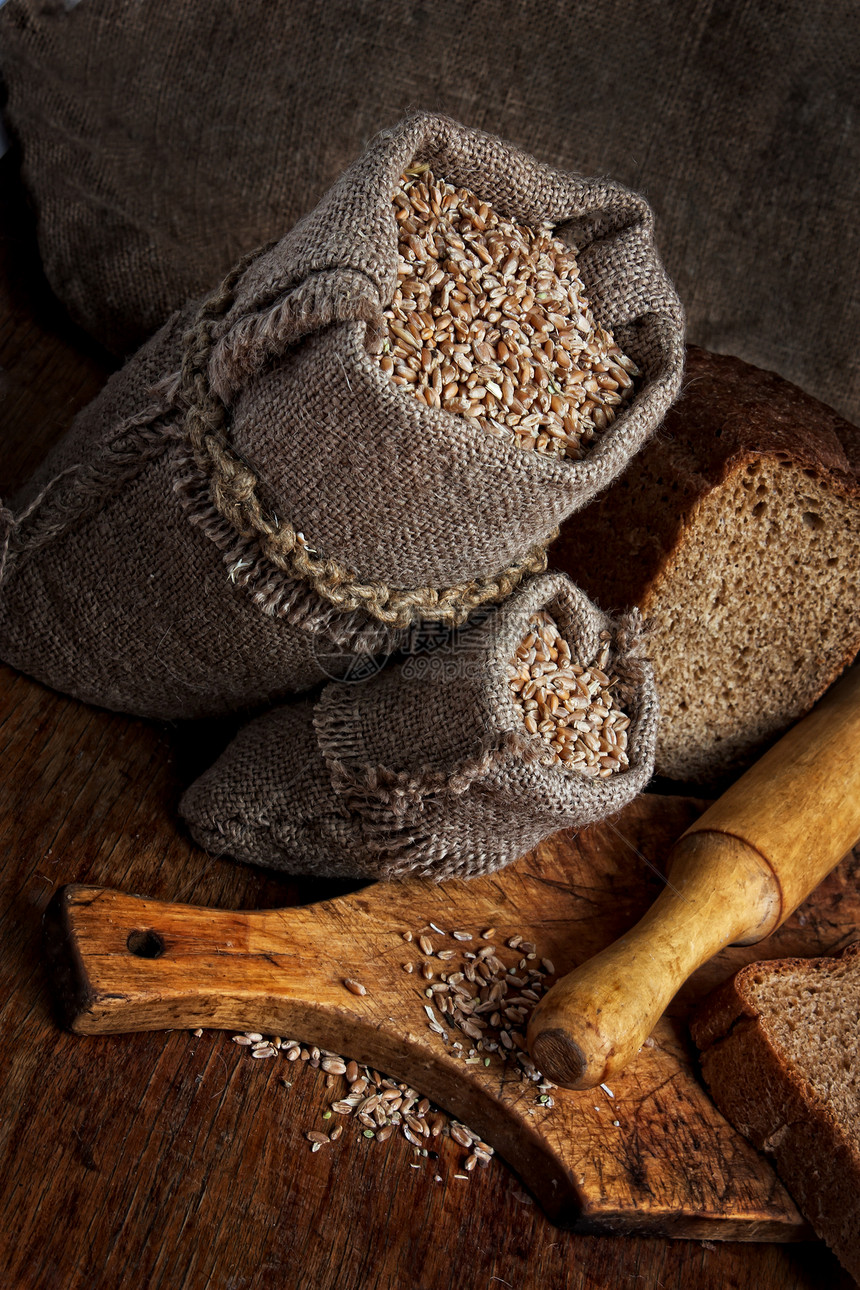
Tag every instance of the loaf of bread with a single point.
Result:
(737, 533)
(779, 1048)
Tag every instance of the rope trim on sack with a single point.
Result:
(274, 592)
(233, 487)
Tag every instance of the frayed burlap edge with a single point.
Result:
(379, 793)
(390, 806)
(78, 489)
(313, 303)
(233, 493)
(270, 589)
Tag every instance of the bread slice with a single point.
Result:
(737, 532)
(780, 1051)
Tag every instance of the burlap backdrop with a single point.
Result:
(426, 768)
(162, 141)
(253, 492)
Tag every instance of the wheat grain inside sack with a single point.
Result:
(253, 493)
(452, 762)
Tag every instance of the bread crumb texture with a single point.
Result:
(781, 1061)
(764, 595)
(736, 530)
(811, 1016)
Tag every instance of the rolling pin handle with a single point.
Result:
(735, 875)
(593, 1021)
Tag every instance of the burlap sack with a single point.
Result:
(161, 141)
(251, 492)
(427, 768)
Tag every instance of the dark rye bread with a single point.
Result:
(779, 1051)
(737, 533)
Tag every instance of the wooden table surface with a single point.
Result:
(171, 1161)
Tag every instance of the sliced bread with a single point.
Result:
(780, 1051)
(737, 533)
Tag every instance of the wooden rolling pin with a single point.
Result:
(733, 878)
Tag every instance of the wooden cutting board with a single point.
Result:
(650, 1155)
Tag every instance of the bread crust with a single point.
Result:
(719, 1011)
(729, 415)
(717, 532)
(774, 1105)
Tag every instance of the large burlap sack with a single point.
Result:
(252, 492)
(161, 141)
(426, 768)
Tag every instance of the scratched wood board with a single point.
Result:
(651, 1154)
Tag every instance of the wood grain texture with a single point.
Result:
(171, 1162)
(595, 1161)
(186, 1160)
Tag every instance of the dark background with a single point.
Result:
(161, 140)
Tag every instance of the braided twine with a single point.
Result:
(234, 494)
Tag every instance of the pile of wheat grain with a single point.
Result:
(490, 320)
(569, 706)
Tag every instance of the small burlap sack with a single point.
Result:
(252, 492)
(427, 768)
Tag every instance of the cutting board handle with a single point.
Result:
(123, 963)
(733, 878)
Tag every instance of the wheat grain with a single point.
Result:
(490, 321)
(569, 706)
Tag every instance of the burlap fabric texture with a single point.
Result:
(251, 492)
(161, 141)
(426, 768)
